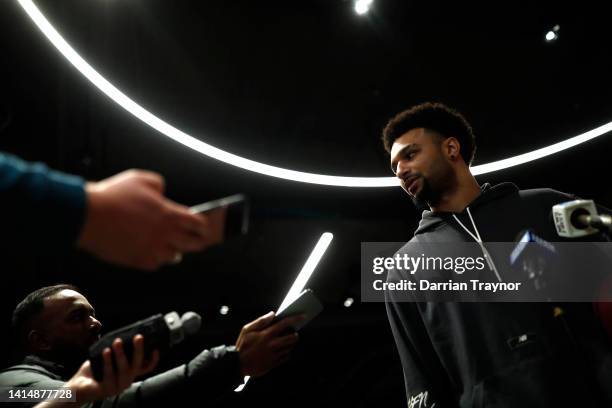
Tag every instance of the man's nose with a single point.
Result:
(402, 170)
(95, 324)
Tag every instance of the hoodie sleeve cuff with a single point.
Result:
(41, 208)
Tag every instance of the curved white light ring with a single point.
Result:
(144, 115)
(543, 152)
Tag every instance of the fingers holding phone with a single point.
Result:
(117, 377)
(265, 344)
(226, 218)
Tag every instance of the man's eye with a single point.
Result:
(77, 316)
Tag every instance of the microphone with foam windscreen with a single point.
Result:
(160, 332)
(579, 218)
(602, 222)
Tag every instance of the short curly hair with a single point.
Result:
(433, 116)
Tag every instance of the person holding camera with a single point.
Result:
(56, 325)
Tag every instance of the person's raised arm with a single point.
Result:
(124, 219)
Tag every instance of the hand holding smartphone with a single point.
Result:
(306, 304)
(228, 217)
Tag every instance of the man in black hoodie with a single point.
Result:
(484, 354)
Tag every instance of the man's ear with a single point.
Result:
(452, 148)
(37, 341)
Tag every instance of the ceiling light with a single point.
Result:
(251, 165)
(361, 7)
(553, 34)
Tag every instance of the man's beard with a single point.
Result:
(441, 182)
(422, 199)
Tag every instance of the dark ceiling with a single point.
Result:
(308, 86)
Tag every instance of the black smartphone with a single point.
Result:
(306, 304)
(228, 216)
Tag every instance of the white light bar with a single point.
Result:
(307, 270)
(187, 140)
(301, 280)
(244, 383)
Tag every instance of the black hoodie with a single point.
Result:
(499, 354)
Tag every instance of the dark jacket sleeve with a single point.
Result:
(39, 208)
(424, 377)
(204, 379)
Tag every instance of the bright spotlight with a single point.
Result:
(362, 6)
(552, 35)
(224, 310)
(348, 302)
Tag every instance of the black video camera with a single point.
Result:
(160, 332)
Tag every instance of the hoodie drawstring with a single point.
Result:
(477, 238)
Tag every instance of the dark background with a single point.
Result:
(304, 85)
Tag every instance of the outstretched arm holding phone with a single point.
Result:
(60, 331)
(124, 219)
